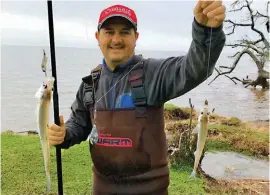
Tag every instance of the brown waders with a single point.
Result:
(130, 156)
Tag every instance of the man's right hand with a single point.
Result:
(56, 134)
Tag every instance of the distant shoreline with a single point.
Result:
(167, 106)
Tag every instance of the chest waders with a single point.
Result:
(130, 156)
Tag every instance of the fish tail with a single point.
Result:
(48, 166)
(193, 174)
(48, 182)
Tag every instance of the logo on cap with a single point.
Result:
(118, 10)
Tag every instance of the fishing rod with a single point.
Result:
(55, 95)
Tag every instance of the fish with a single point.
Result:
(44, 96)
(44, 63)
(202, 130)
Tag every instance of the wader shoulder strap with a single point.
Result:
(90, 83)
(95, 77)
(136, 80)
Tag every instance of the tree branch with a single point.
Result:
(247, 46)
(258, 50)
(233, 78)
(255, 29)
(252, 24)
(245, 51)
(234, 25)
(258, 14)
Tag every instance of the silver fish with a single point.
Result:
(44, 63)
(202, 130)
(44, 96)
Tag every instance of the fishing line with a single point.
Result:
(209, 53)
(115, 83)
(138, 63)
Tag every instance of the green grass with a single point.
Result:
(243, 138)
(23, 169)
(169, 106)
(181, 183)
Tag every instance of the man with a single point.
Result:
(123, 100)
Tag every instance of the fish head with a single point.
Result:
(204, 113)
(46, 89)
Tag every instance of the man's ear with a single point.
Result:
(136, 35)
(97, 35)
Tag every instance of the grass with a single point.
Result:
(169, 106)
(243, 138)
(23, 169)
(181, 183)
(228, 134)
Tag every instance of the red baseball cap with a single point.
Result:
(118, 10)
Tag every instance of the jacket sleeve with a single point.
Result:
(172, 77)
(79, 124)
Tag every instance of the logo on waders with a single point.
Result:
(114, 142)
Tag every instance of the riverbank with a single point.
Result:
(23, 169)
(250, 139)
(225, 133)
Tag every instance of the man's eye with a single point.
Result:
(125, 32)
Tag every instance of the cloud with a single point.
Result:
(33, 28)
(163, 25)
(15, 21)
(75, 23)
(76, 33)
(156, 40)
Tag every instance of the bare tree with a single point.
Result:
(258, 49)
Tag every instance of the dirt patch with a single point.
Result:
(244, 186)
(214, 133)
(214, 118)
(21, 132)
(256, 148)
(258, 125)
(231, 121)
(178, 114)
(175, 126)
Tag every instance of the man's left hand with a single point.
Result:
(209, 13)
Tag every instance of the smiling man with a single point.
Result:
(117, 39)
(120, 104)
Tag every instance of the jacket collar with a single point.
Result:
(133, 60)
(119, 68)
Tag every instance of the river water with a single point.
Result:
(230, 165)
(21, 76)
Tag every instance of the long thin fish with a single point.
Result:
(202, 130)
(44, 96)
(44, 63)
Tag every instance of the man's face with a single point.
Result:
(117, 40)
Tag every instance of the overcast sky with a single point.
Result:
(162, 25)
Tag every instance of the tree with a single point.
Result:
(258, 49)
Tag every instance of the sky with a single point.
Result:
(163, 25)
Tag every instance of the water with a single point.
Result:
(21, 76)
(230, 165)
